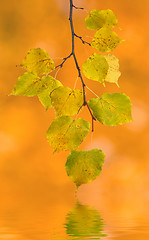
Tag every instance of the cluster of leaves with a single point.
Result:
(98, 67)
(66, 133)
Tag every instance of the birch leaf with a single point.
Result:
(105, 40)
(109, 17)
(30, 85)
(113, 71)
(38, 62)
(95, 68)
(84, 166)
(27, 85)
(97, 19)
(66, 101)
(94, 20)
(48, 85)
(65, 133)
(112, 109)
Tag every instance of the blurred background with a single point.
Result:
(33, 181)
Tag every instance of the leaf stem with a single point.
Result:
(76, 192)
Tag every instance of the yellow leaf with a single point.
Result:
(66, 101)
(112, 109)
(95, 68)
(65, 133)
(27, 85)
(38, 62)
(113, 71)
(105, 40)
(94, 20)
(48, 85)
(98, 19)
(84, 166)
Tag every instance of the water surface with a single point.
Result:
(36, 217)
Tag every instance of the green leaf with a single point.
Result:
(84, 166)
(66, 101)
(95, 67)
(105, 40)
(38, 62)
(97, 19)
(113, 71)
(94, 20)
(112, 109)
(65, 133)
(27, 85)
(48, 85)
(84, 222)
(31, 85)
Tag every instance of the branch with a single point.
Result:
(73, 51)
(76, 62)
(75, 59)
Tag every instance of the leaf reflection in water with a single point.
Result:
(84, 222)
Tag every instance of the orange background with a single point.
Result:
(31, 177)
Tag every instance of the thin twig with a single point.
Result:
(82, 39)
(77, 7)
(91, 112)
(64, 60)
(93, 118)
